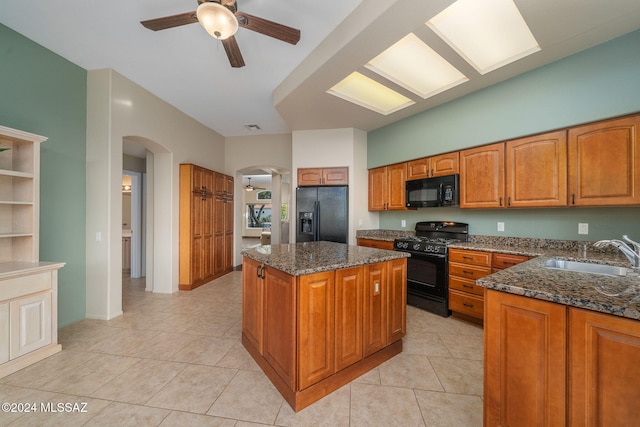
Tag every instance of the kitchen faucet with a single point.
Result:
(629, 248)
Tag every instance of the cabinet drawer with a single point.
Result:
(468, 271)
(502, 261)
(465, 285)
(378, 244)
(468, 304)
(470, 257)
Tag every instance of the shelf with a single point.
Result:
(19, 195)
(11, 235)
(19, 174)
(15, 202)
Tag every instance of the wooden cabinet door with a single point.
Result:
(252, 302)
(316, 328)
(444, 164)
(4, 332)
(536, 171)
(279, 327)
(378, 189)
(309, 176)
(396, 193)
(604, 163)
(418, 169)
(219, 222)
(525, 361)
(397, 299)
(349, 306)
(604, 369)
(29, 323)
(335, 176)
(228, 223)
(375, 308)
(482, 177)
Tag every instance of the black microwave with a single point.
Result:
(440, 191)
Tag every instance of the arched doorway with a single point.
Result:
(277, 182)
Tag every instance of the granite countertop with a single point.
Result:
(607, 294)
(616, 295)
(619, 296)
(386, 235)
(313, 257)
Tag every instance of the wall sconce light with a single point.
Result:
(126, 189)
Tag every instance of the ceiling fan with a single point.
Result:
(250, 187)
(221, 19)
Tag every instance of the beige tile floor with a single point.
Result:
(177, 360)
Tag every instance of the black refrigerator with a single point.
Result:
(322, 214)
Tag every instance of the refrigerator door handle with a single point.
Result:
(316, 222)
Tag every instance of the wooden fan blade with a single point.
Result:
(233, 52)
(268, 28)
(170, 21)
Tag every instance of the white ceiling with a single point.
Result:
(283, 87)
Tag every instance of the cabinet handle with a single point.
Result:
(500, 201)
(468, 272)
(258, 271)
(467, 286)
(508, 263)
(467, 257)
(509, 201)
(466, 304)
(573, 198)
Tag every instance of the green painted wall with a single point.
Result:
(594, 84)
(45, 94)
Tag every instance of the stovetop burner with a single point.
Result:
(433, 237)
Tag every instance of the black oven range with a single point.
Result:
(427, 268)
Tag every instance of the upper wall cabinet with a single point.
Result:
(526, 172)
(482, 177)
(427, 167)
(387, 187)
(323, 176)
(537, 171)
(19, 194)
(604, 163)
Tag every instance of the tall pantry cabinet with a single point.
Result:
(206, 225)
(28, 287)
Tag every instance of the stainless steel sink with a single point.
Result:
(587, 267)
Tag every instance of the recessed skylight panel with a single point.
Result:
(488, 34)
(416, 67)
(368, 93)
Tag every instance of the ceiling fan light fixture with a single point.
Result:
(219, 21)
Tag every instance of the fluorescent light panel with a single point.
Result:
(368, 93)
(416, 67)
(488, 34)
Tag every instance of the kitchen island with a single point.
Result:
(317, 315)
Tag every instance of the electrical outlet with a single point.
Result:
(501, 226)
(583, 228)
(403, 223)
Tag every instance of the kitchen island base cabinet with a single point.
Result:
(311, 334)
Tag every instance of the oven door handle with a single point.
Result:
(425, 255)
